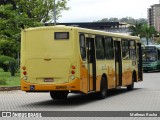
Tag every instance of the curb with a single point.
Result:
(10, 88)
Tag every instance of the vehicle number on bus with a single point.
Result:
(61, 87)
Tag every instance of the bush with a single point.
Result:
(3, 82)
(12, 67)
(6, 61)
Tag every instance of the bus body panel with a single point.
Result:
(48, 59)
(106, 67)
(127, 71)
(40, 69)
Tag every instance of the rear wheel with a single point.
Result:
(131, 87)
(59, 94)
(103, 88)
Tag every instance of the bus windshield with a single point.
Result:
(150, 56)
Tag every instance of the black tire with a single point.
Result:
(131, 87)
(103, 88)
(59, 95)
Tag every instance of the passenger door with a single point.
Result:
(118, 63)
(91, 63)
(139, 57)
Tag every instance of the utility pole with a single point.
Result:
(54, 12)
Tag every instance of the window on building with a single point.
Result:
(109, 51)
(99, 47)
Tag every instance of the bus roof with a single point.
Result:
(85, 30)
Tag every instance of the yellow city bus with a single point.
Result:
(65, 59)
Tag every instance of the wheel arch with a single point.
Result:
(105, 76)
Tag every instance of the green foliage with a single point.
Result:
(12, 67)
(41, 10)
(3, 82)
(11, 81)
(143, 30)
(135, 29)
(9, 31)
(5, 62)
(128, 20)
(9, 47)
(148, 32)
(30, 13)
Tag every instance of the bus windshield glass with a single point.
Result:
(149, 55)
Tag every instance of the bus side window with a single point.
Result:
(99, 47)
(82, 47)
(132, 49)
(125, 49)
(109, 51)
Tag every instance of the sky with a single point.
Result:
(93, 10)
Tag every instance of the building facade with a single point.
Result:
(154, 16)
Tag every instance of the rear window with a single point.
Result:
(61, 35)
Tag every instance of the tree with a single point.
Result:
(128, 20)
(9, 31)
(136, 29)
(143, 30)
(8, 48)
(103, 20)
(113, 19)
(13, 2)
(41, 10)
(31, 13)
(148, 32)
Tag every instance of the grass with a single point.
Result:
(11, 80)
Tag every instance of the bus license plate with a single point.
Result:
(48, 80)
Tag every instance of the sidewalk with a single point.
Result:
(10, 88)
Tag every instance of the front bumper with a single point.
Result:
(148, 68)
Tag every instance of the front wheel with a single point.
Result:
(59, 94)
(103, 88)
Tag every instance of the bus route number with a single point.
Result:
(61, 87)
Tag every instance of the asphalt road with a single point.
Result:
(145, 97)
